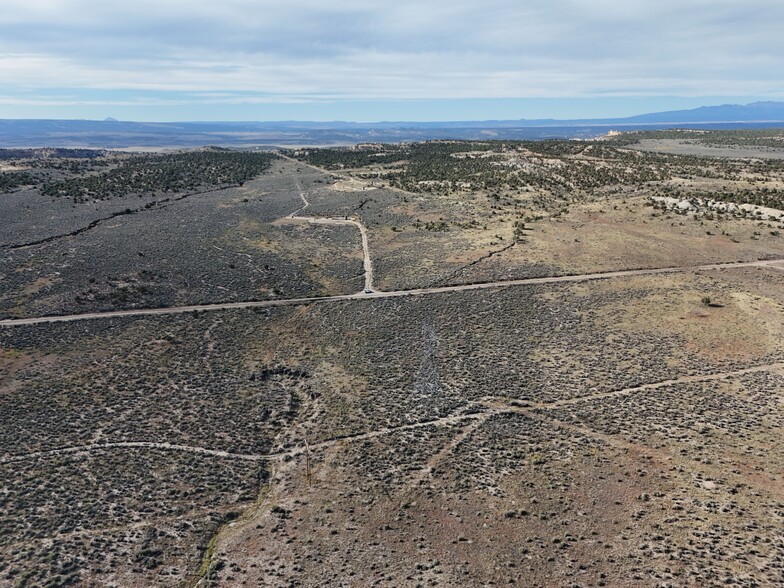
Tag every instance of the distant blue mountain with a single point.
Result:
(755, 112)
(115, 134)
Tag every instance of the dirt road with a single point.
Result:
(391, 294)
(317, 220)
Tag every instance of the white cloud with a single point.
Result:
(404, 49)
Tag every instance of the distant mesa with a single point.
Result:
(111, 133)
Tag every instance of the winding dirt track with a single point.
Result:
(390, 294)
(314, 220)
(478, 410)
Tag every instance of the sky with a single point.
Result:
(368, 60)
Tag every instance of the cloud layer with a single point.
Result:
(246, 51)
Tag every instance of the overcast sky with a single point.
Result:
(393, 60)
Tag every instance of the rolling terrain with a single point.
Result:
(447, 363)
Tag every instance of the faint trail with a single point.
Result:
(528, 406)
(490, 407)
(483, 407)
(665, 383)
(447, 420)
(242, 456)
(131, 445)
(389, 294)
(305, 202)
(779, 266)
(450, 445)
(612, 440)
(712, 470)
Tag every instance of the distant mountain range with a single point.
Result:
(111, 133)
(726, 113)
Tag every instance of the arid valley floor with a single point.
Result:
(554, 363)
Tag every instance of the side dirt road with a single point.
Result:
(314, 220)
